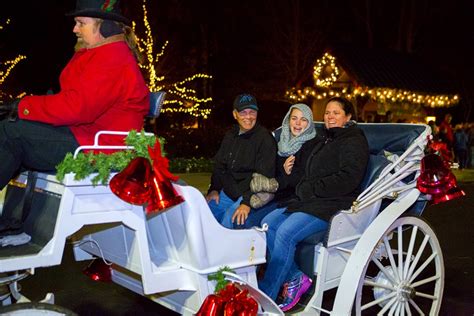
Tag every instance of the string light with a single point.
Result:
(6, 22)
(185, 99)
(9, 65)
(323, 88)
(321, 64)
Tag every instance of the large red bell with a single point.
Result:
(451, 194)
(437, 180)
(163, 195)
(132, 184)
(213, 305)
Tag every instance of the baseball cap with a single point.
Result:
(245, 101)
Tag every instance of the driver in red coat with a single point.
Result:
(102, 88)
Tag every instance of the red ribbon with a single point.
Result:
(441, 149)
(231, 301)
(160, 163)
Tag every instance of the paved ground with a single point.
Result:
(453, 222)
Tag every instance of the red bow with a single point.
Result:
(160, 163)
(231, 301)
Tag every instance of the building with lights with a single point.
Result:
(377, 82)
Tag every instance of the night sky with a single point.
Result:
(262, 47)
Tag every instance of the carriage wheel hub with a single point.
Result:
(407, 292)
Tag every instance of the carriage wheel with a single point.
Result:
(31, 309)
(405, 273)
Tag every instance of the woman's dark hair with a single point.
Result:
(346, 106)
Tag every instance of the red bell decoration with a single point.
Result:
(133, 183)
(163, 195)
(451, 194)
(98, 270)
(213, 305)
(437, 180)
(140, 183)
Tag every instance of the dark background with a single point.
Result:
(261, 46)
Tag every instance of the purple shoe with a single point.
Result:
(293, 291)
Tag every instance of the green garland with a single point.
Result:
(88, 163)
(220, 279)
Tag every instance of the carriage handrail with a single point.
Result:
(387, 185)
(387, 193)
(97, 146)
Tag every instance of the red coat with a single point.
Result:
(101, 89)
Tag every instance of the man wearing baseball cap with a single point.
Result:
(101, 88)
(247, 148)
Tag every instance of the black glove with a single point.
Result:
(9, 110)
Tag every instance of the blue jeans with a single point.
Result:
(255, 216)
(285, 231)
(225, 206)
(224, 211)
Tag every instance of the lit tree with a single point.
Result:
(181, 98)
(5, 69)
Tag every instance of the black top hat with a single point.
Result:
(102, 9)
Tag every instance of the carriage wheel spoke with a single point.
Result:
(417, 308)
(375, 284)
(400, 250)
(410, 251)
(382, 268)
(390, 257)
(379, 300)
(418, 256)
(388, 305)
(423, 266)
(394, 308)
(427, 280)
(407, 308)
(431, 297)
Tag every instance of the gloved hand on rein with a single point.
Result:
(9, 110)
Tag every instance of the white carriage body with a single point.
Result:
(169, 256)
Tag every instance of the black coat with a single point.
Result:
(238, 157)
(333, 173)
(287, 183)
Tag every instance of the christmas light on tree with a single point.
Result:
(7, 22)
(180, 98)
(5, 69)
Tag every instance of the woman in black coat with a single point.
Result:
(333, 173)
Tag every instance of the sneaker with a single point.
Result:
(293, 291)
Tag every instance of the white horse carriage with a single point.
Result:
(379, 257)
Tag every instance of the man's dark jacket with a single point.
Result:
(238, 157)
(333, 173)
